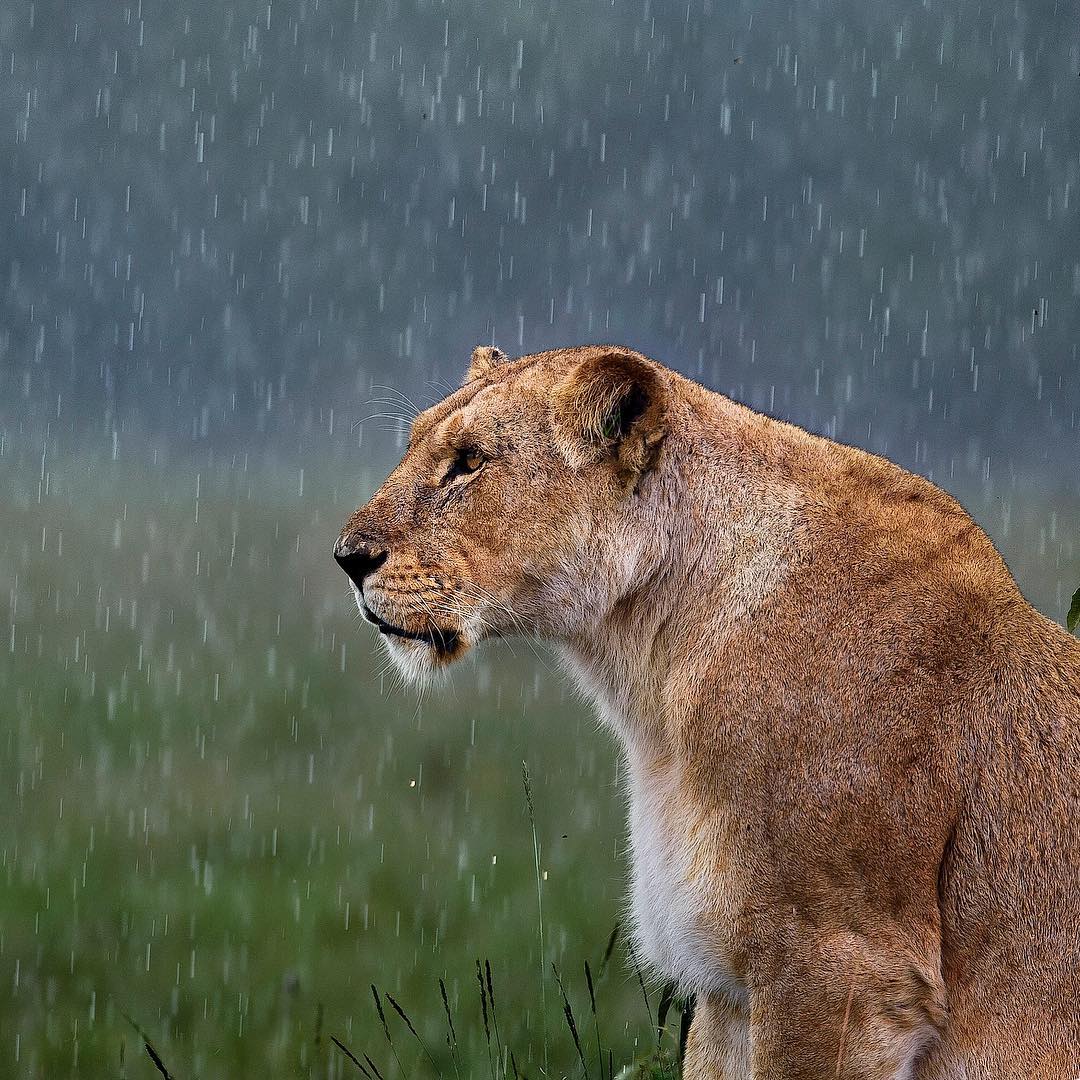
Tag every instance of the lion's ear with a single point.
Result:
(611, 405)
(485, 358)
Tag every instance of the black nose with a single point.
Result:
(359, 560)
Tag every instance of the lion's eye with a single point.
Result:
(468, 460)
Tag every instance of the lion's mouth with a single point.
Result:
(443, 640)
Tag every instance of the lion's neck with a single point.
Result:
(725, 537)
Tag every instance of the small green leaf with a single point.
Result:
(1072, 620)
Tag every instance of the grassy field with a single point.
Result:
(224, 823)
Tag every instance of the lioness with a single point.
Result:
(853, 746)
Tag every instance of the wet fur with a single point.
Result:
(853, 747)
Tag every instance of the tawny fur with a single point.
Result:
(853, 747)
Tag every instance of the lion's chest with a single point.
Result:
(684, 893)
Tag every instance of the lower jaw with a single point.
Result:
(438, 654)
(448, 646)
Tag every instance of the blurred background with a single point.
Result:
(238, 243)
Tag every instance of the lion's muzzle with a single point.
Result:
(358, 559)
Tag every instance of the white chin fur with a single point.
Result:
(415, 660)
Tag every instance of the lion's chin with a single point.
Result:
(418, 656)
(420, 661)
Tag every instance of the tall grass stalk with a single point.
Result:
(350, 1055)
(451, 1038)
(148, 1046)
(595, 1019)
(484, 1013)
(539, 907)
(571, 1023)
(416, 1034)
(640, 978)
(386, 1030)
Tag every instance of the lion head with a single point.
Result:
(513, 509)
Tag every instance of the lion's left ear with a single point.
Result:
(611, 405)
(485, 358)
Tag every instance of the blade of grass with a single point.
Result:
(386, 1029)
(640, 979)
(350, 1055)
(374, 1068)
(158, 1063)
(449, 1019)
(608, 951)
(595, 1019)
(568, 1012)
(494, 1015)
(484, 1011)
(667, 996)
(151, 1053)
(416, 1034)
(526, 780)
(684, 1028)
(451, 1039)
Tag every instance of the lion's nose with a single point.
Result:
(359, 559)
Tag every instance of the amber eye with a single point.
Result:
(468, 460)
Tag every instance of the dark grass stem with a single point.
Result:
(415, 1034)
(667, 996)
(451, 1039)
(539, 908)
(641, 981)
(350, 1055)
(386, 1030)
(148, 1046)
(568, 1012)
(595, 1019)
(158, 1063)
(614, 937)
(494, 1014)
(484, 1013)
(374, 1068)
(684, 1028)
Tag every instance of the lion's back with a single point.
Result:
(998, 687)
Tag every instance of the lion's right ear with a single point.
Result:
(611, 405)
(485, 358)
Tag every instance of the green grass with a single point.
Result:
(223, 821)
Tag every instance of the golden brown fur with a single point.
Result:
(853, 747)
